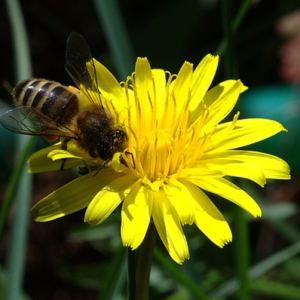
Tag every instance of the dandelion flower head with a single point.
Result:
(178, 148)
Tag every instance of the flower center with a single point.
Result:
(155, 154)
(166, 138)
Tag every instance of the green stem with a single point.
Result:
(242, 252)
(131, 274)
(234, 25)
(144, 264)
(241, 14)
(230, 55)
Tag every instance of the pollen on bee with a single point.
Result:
(73, 88)
(49, 138)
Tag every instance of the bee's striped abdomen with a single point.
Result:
(52, 99)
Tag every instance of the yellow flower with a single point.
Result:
(177, 150)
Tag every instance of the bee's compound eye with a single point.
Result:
(119, 134)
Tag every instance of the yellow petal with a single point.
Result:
(109, 86)
(70, 198)
(233, 167)
(145, 93)
(181, 87)
(231, 192)
(202, 172)
(246, 170)
(59, 154)
(271, 166)
(168, 226)
(245, 132)
(159, 78)
(136, 214)
(220, 101)
(222, 91)
(180, 198)
(111, 194)
(202, 79)
(207, 217)
(40, 162)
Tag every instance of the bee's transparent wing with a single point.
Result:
(28, 120)
(77, 56)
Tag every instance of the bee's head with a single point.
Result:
(113, 142)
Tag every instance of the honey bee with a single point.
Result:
(47, 108)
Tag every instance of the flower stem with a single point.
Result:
(144, 264)
(235, 24)
(242, 253)
(230, 58)
(131, 274)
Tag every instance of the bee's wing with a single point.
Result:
(77, 56)
(28, 120)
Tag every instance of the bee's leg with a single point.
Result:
(102, 166)
(132, 158)
(64, 146)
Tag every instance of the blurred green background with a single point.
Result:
(67, 259)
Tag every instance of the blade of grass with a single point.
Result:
(230, 55)
(275, 290)
(13, 183)
(259, 269)
(20, 41)
(16, 253)
(116, 277)
(181, 278)
(3, 282)
(116, 35)
(234, 25)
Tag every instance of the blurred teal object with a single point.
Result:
(280, 103)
